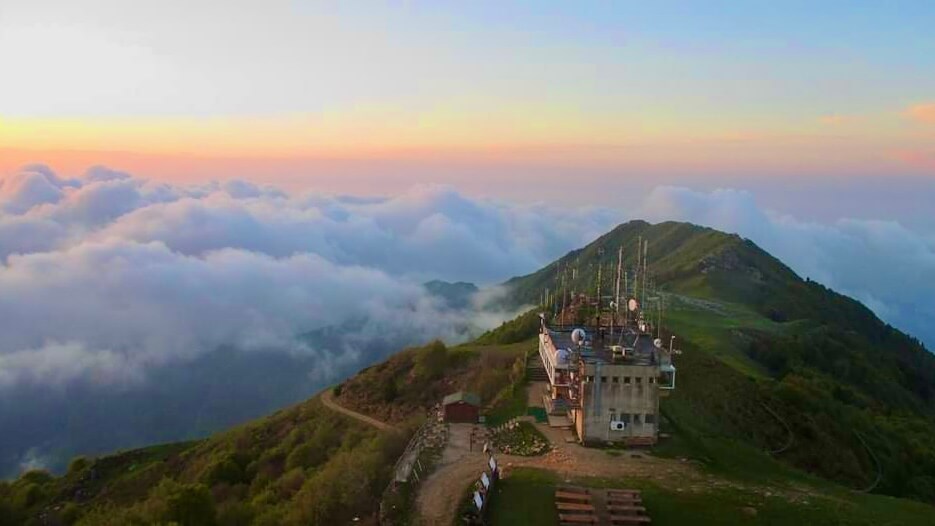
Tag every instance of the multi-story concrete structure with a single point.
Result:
(607, 381)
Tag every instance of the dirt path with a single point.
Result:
(459, 466)
(327, 398)
(440, 495)
(441, 492)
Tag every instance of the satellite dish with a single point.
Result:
(658, 343)
(633, 304)
(577, 336)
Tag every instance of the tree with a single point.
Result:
(430, 361)
(185, 504)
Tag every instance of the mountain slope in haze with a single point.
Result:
(304, 464)
(456, 295)
(771, 358)
(779, 377)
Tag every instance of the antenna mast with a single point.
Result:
(562, 315)
(617, 285)
(626, 292)
(645, 251)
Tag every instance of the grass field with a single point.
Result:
(525, 497)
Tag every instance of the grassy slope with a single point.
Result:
(269, 471)
(301, 465)
(407, 383)
(526, 497)
(759, 340)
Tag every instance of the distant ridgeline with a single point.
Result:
(771, 360)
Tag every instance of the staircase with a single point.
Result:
(558, 406)
(535, 372)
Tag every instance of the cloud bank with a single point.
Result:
(107, 275)
(133, 311)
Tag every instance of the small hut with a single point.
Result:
(461, 407)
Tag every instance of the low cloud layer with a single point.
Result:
(134, 311)
(107, 275)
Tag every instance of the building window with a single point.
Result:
(626, 380)
(652, 379)
(639, 380)
(613, 415)
(625, 418)
(615, 379)
(636, 420)
(650, 419)
(588, 379)
(603, 379)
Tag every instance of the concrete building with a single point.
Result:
(607, 382)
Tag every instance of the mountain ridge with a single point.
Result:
(802, 343)
(767, 357)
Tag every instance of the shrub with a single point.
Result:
(431, 360)
(235, 514)
(70, 513)
(225, 470)
(185, 504)
(304, 456)
(77, 464)
(36, 476)
(27, 495)
(292, 481)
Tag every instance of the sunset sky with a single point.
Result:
(211, 209)
(374, 97)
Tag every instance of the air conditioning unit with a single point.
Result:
(617, 425)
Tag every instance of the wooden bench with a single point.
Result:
(577, 519)
(622, 496)
(629, 519)
(631, 501)
(627, 508)
(570, 506)
(573, 489)
(635, 492)
(564, 495)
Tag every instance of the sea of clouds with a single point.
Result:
(106, 274)
(114, 287)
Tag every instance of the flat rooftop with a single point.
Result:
(597, 348)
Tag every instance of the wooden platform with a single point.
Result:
(571, 506)
(576, 505)
(566, 495)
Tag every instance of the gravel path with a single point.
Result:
(440, 494)
(327, 398)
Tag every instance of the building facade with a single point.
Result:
(606, 381)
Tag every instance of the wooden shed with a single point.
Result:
(461, 407)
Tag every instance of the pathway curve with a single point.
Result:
(327, 398)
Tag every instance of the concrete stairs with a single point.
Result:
(535, 372)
